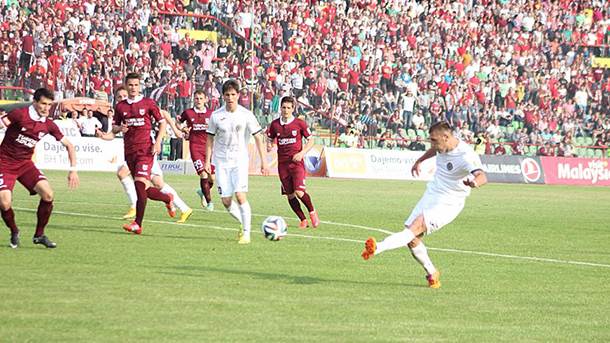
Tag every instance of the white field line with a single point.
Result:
(469, 252)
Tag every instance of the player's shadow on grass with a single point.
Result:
(119, 231)
(291, 279)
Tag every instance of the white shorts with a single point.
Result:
(156, 167)
(231, 180)
(438, 211)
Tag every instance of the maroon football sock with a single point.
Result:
(155, 194)
(205, 188)
(296, 207)
(141, 203)
(307, 202)
(9, 219)
(44, 213)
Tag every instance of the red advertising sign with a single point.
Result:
(576, 171)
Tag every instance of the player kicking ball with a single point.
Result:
(288, 133)
(458, 170)
(25, 127)
(229, 131)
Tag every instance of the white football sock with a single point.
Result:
(130, 189)
(167, 189)
(246, 218)
(234, 211)
(421, 255)
(396, 240)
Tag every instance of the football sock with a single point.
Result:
(155, 194)
(9, 219)
(307, 202)
(205, 189)
(130, 189)
(167, 189)
(395, 240)
(296, 207)
(246, 217)
(141, 203)
(234, 211)
(421, 255)
(44, 213)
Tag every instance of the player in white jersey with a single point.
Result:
(229, 131)
(127, 181)
(458, 170)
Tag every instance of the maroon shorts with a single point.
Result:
(140, 163)
(198, 158)
(23, 171)
(292, 176)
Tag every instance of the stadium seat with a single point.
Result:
(508, 148)
(590, 152)
(599, 153)
(411, 133)
(588, 141)
(579, 141)
(421, 133)
(510, 129)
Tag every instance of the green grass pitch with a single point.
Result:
(521, 263)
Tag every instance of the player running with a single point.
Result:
(196, 124)
(157, 180)
(228, 135)
(288, 133)
(25, 127)
(458, 170)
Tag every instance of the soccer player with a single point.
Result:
(25, 127)
(158, 182)
(288, 132)
(458, 170)
(228, 136)
(134, 116)
(196, 120)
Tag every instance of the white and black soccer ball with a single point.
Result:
(274, 228)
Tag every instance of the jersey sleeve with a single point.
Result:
(472, 161)
(154, 111)
(181, 117)
(305, 132)
(54, 130)
(252, 124)
(271, 131)
(14, 116)
(212, 125)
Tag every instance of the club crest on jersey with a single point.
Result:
(294, 133)
(449, 166)
(142, 111)
(41, 134)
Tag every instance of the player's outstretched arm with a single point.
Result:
(160, 134)
(415, 170)
(73, 180)
(260, 146)
(478, 179)
(172, 124)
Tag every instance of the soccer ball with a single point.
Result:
(274, 228)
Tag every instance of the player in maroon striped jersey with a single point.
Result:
(288, 133)
(25, 127)
(196, 120)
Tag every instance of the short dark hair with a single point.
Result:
(121, 88)
(230, 84)
(43, 93)
(200, 91)
(132, 76)
(288, 99)
(441, 126)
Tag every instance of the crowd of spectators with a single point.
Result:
(511, 76)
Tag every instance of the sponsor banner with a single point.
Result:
(68, 127)
(315, 163)
(513, 169)
(92, 154)
(174, 167)
(376, 164)
(576, 171)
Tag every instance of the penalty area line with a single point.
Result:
(457, 251)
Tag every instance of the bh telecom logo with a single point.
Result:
(531, 170)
